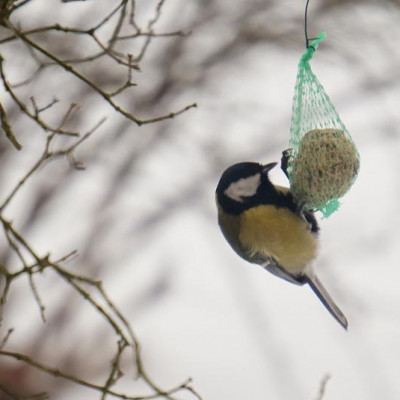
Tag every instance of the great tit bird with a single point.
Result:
(264, 225)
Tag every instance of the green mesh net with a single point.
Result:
(325, 161)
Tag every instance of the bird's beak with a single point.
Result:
(268, 167)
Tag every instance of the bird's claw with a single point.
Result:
(286, 156)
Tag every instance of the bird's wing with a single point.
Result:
(272, 266)
(325, 298)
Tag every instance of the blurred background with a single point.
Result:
(142, 215)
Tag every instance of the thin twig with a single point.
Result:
(115, 372)
(15, 396)
(57, 373)
(6, 337)
(155, 35)
(60, 374)
(118, 26)
(36, 295)
(322, 387)
(106, 96)
(7, 128)
(25, 110)
(109, 16)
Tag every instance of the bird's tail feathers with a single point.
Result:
(325, 298)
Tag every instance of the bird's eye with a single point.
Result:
(245, 187)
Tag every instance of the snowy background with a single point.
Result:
(143, 219)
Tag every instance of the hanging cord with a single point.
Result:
(311, 43)
(305, 28)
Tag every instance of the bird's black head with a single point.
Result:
(245, 185)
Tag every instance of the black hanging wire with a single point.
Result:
(305, 28)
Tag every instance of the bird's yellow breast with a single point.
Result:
(275, 232)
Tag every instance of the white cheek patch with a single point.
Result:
(245, 187)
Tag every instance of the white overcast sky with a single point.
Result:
(238, 331)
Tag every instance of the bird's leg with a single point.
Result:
(301, 210)
(307, 216)
(301, 206)
(304, 213)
